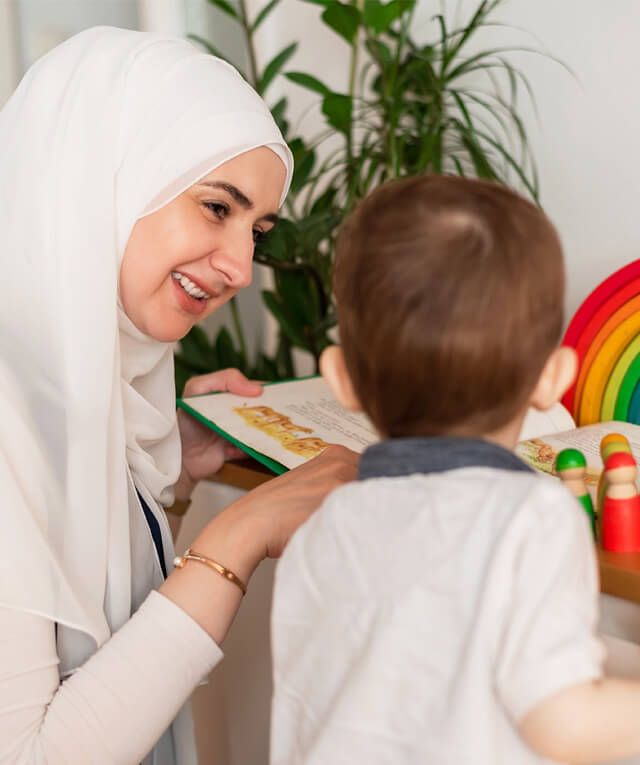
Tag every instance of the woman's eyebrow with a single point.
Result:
(239, 197)
(234, 191)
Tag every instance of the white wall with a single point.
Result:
(8, 56)
(587, 140)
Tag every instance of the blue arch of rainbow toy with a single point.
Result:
(633, 413)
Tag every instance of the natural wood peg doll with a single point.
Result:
(621, 506)
(571, 467)
(611, 443)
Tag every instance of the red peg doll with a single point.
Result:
(621, 506)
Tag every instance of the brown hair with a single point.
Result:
(449, 294)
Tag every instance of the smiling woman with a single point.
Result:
(201, 244)
(136, 175)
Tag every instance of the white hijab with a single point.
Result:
(106, 128)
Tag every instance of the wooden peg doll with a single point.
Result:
(571, 467)
(621, 505)
(611, 443)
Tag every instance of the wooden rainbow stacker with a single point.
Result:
(605, 333)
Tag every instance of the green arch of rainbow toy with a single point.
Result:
(605, 333)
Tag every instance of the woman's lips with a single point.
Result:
(192, 305)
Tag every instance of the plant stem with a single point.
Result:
(235, 315)
(253, 68)
(353, 72)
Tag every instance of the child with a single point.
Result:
(442, 609)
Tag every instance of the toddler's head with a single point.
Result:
(449, 295)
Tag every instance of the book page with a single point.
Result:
(538, 423)
(290, 422)
(541, 452)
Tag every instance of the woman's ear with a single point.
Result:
(556, 377)
(334, 371)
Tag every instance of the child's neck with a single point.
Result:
(507, 436)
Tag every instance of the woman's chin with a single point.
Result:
(169, 333)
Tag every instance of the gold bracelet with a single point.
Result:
(179, 507)
(228, 575)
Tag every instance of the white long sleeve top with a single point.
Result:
(102, 713)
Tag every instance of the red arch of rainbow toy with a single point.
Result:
(605, 333)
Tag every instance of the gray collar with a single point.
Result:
(406, 456)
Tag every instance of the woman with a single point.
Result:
(136, 175)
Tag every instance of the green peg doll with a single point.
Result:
(571, 467)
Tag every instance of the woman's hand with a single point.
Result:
(204, 451)
(259, 524)
(287, 501)
(255, 526)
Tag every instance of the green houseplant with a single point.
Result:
(407, 108)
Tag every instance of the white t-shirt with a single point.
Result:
(417, 619)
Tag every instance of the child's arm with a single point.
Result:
(587, 723)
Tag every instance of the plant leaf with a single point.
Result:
(227, 355)
(278, 112)
(380, 16)
(279, 243)
(338, 109)
(196, 351)
(207, 46)
(343, 19)
(478, 19)
(263, 14)
(265, 369)
(309, 82)
(274, 66)
(288, 325)
(458, 165)
(303, 162)
(226, 7)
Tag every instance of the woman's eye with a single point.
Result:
(217, 208)
(258, 235)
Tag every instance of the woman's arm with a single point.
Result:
(254, 527)
(112, 709)
(115, 707)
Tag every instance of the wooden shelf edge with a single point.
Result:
(620, 574)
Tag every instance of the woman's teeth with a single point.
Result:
(189, 287)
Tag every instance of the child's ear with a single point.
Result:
(558, 374)
(334, 371)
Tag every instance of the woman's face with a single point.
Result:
(188, 258)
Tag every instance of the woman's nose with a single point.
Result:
(234, 260)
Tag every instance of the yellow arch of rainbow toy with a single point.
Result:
(613, 386)
(626, 311)
(599, 372)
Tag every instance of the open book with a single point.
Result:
(294, 421)
(290, 423)
(540, 451)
